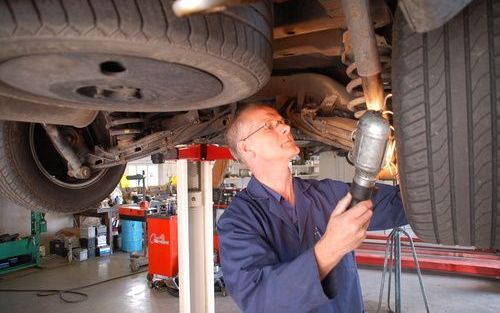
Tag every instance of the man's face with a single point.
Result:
(267, 144)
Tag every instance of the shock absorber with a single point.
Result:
(124, 128)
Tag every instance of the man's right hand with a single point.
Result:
(345, 231)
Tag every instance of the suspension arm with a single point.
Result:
(75, 166)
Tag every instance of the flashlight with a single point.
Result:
(370, 143)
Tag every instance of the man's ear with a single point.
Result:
(245, 150)
(233, 154)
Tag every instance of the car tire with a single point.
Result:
(132, 55)
(446, 101)
(25, 181)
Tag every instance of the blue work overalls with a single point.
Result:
(269, 263)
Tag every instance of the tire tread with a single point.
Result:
(463, 205)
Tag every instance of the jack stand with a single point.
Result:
(394, 245)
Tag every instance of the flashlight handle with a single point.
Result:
(359, 193)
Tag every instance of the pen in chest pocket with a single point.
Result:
(317, 233)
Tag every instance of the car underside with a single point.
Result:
(86, 87)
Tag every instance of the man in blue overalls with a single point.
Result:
(286, 244)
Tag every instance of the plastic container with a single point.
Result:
(131, 236)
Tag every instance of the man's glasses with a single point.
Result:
(269, 125)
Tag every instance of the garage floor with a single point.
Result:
(131, 294)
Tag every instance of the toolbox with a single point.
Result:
(162, 245)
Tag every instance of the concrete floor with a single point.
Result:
(445, 293)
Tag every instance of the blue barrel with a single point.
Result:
(131, 236)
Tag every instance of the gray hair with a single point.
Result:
(233, 131)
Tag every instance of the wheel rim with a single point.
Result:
(105, 80)
(52, 165)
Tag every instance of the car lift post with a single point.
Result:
(195, 226)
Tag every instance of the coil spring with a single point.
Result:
(358, 104)
(124, 128)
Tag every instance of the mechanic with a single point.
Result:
(284, 248)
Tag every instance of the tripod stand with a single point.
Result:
(393, 254)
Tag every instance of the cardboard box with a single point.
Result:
(71, 242)
(101, 241)
(80, 254)
(101, 230)
(91, 253)
(87, 232)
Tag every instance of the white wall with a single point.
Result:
(156, 174)
(166, 170)
(335, 167)
(13, 218)
(16, 219)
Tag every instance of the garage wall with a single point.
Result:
(156, 174)
(335, 167)
(16, 219)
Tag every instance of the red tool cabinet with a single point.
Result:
(162, 245)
